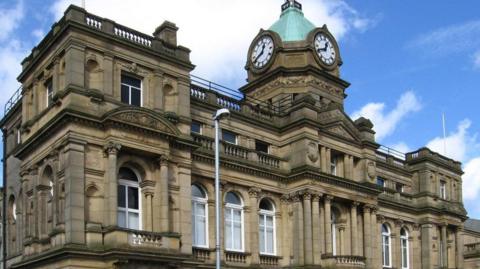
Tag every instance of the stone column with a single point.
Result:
(375, 235)
(298, 245)
(324, 162)
(353, 229)
(459, 248)
(111, 190)
(316, 229)
(367, 236)
(286, 232)
(328, 156)
(444, 245)
(341, 235)
(307, 227)
(75, 192)
(328, 224)
(164, 201)
(254, 225)
(426, 234)
(148, 190)
(396, 245)
(108, 73)
(346, 164)
(183, 213)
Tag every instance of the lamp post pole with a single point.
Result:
(221, 113)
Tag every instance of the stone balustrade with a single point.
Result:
(235, 257)
(269, 261)
(201, 254)
(344, 261)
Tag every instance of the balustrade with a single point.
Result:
(144, 239)
(235, 151)
(201, 254)
(268, 260)
(235, 257)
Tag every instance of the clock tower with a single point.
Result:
(294, 57)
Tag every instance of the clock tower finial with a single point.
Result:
(291, 4)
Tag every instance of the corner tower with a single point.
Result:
(294, 57)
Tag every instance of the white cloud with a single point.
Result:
(476, 60)
(401, 147)
(471, 179)
(219, 32)
(38, 34)
(451, 39)
(9, 19)
(459, 144)
(11, 54)
(384, 122)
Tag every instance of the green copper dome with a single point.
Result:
(292, 25)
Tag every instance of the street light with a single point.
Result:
(220, 114)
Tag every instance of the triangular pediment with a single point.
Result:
(337, 123)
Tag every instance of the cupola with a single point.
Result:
(292, 24)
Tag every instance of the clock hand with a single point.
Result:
(324, 48)
(260, 54)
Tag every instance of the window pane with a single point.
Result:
(269, 221)
(127, 174)
(121, 196)
(133, 198)
(237, 237)
(197, 192)
(229, 137)
(200, 231)
(270, 241)
(262, 240)
(261, 146)
(133, 221)
(232, 198)
(228, 234)
(135, 82)
(125, 94)
(237, 216)
(136, 97)
(196, 127)
(121, 220)
(266, 205)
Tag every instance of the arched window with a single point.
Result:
(404, 248)
(386, 246)
(267, 227)
(128, 199)
(233, 222)
(199, 217)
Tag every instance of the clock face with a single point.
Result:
(325, 49)
(262, 52)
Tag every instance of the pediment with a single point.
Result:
(142, 118)
(338, 123)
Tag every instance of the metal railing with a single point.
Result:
(17, 95)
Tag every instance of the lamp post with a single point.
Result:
(220, 114)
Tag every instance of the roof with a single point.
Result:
(472, 225)
(292, 25)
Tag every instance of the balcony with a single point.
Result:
(472, 250)
(344, 261)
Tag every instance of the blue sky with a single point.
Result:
(408, 61)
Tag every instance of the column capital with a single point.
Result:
(254, 192)
(295, 197)
(112, 148)
(416, 226)
(163, 160)
(380, 218)
(398, 223)
(285, 199)
(306, 195)
(367, 208)
(355, 204)
(316, 197)
(327, 198)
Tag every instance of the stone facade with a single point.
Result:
(96, 180)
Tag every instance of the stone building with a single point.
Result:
(109, 160)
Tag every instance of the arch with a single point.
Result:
(93, 74)
(129, 198)
(404, 248)
(267, 229)
(93, 204)
(170, 98)
(199, 216)
(234, 221)
(386, 245)
(47, 175)
(12, 209)
(139, 166)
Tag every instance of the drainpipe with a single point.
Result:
(4, 201)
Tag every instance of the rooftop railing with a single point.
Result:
(17, 95)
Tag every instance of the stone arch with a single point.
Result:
(170, 98)
(93, 74)
(93, 204)
(243, 194)
(142, 168)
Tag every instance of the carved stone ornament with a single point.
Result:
(254, 192)
(141, 118)
(312, 152)
(339, 130)
(112, 148)
(371, 170)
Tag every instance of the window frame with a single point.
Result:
(232, 208)
(383, 180)
(130, 89)
(49, 92)
(260, 142)
(235, 134)
(267, 213)
(404, 245)
(443, 189)
(129, 183)
(200, 126)
(386, 236)
(333, 165)
(204, 202)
